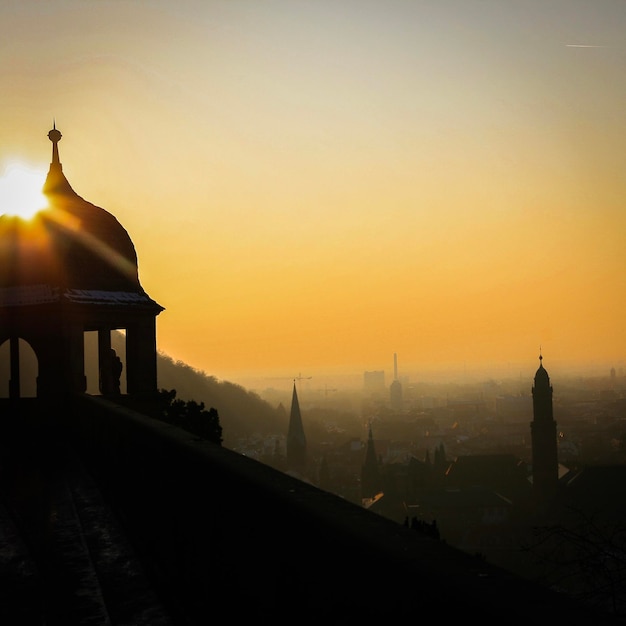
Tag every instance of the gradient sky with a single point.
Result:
(313, 186)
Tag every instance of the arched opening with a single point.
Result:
(28, 369)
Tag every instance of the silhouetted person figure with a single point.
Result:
(110, 374)
(117, 371)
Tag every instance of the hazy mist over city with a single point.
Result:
(462, 375)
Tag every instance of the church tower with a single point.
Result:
(296, 439)
(544, 441)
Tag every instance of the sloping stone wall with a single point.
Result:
(219, 532)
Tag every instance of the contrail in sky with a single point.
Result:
(581, 45)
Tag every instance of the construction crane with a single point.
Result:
(298, 377)
(326, 389)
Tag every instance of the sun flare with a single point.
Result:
(20, 190)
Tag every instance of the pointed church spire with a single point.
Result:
(371, 483)
(296, 439)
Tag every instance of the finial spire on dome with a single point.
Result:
(55, 136)
(56, 182)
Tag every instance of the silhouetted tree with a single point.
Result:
(586, 559)
(241, 411)
(189, 415)
(426, 528)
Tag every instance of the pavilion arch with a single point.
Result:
(55, 328)
(23, 378)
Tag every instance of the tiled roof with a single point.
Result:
(29, 295)
(95, 296)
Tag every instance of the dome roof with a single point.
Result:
(541, 375)
(72, 243)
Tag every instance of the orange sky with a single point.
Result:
(312, 187)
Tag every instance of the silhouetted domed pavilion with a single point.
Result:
(72, 269)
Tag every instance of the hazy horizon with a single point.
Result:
(312, 187)
(328, 380)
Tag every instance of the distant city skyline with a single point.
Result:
(313, 187)
(323, 380)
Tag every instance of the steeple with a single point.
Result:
(56, 183)
(544, 441)
(55, 136)
(371, 484)
(296, 439)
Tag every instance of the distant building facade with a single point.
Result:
(374, 381)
